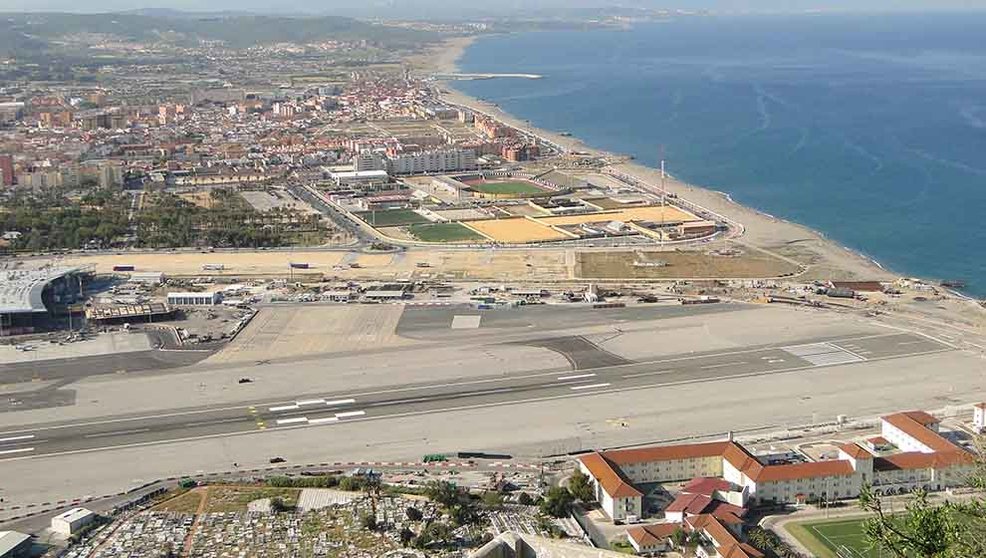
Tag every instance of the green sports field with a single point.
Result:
(512, 187)
(835, 539)
(391, 217)
(443, 232)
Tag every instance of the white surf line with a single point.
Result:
(284, 408)
(723, 365)
(348, 414)
(22, 450)
(575, 376)
(295, 420)
(339, 402)
(325, 420)
(118, 433)
(17, 438)
(590, 386)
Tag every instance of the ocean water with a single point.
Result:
(868, 128)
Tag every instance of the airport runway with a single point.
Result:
(597, 374)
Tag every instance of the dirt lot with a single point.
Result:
(516, 230)
(614, 265)
(648, 213)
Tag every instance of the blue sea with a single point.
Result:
(868, 128)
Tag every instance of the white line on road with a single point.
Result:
(22, 450)
(283, 408)
(17, 438)
(118, 433)
(590, 386)
(339, 402)
(723, 365)
(295, 420)
(323, 420)
(348, 414)
(575, 376)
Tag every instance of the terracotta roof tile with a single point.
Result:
(854, 451)
(915, 424)
(647, 535)
(665, 453)
(609, 477)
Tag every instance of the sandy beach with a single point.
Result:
(825, 259)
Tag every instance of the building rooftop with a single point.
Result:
(20, 289)
(10, 540)
(74, 514)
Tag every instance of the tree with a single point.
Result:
(369, 522)
(557, 502)
(581, 487)
(442, 492)
(413, 513)
(525, 499)
(678, 537)
(406, 536)
(492, 499)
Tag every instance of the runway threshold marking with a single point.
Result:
(590, 386)
(283, 408)
(350, 414)
(575, 376)
(295, 420)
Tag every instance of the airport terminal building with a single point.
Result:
(32, 299)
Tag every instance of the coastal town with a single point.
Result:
(302, 297)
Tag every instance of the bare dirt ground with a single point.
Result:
(300, 331)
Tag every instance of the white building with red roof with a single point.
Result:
(926, 460)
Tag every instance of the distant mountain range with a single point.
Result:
(34, 32)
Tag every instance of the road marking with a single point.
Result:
(22, 450)
(324, 420)
(118, 433)
(348, 414)
(339, 402)
(575, 376)
(283, 408)
(17, 438)
(723, 365)
(590, 386)
(640, 374)
(209, 422)
(918, 342)
(309, 402)
(295, 420)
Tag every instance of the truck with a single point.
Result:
(297, 265)
(123, 267)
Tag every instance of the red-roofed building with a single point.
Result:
(928, 460)
(652, 539)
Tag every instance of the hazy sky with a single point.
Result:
(406, 8)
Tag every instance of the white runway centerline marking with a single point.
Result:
(348, 414)
(590, 386)
(323, 420)
(339, 402)
(723, 365)
(283, 408)
(310, 402)
(22, 450)
(575, 376)
(295, 420)
(642, 374)
(17, 438)
(118, 433)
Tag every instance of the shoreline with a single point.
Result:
(826, 258)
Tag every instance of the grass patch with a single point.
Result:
(835, 539)
(391, 217)
(622, 547)
(236, 498)
(183, 503)
(443, 232)
(506, 187)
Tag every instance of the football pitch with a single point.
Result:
(443, 232)
(391, 217)
(836, 539)
(509, 187)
